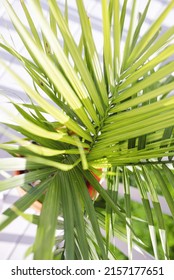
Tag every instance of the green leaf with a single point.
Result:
(165, 190)
(31, 127)
(49, 67)
(82, 188)
(139, 25)
(117, 38)
(128, 211)
(25, 178)
(66, 66)
(57, 114)
(150, 184)
(123, 15)
(128, 43)
(162, 56)
(149, 34)
(31, 23)
(73, 49)
(147, 208)
(159, 44)
(91, 48)
(156, 76)
(45, 236)
(23, 203)
(107, 50)
(78, 217)
(143, 98)
(14, 164)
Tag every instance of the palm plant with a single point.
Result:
(112, 117)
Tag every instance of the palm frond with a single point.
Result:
(112, 116)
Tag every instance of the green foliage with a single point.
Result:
(111, 118)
